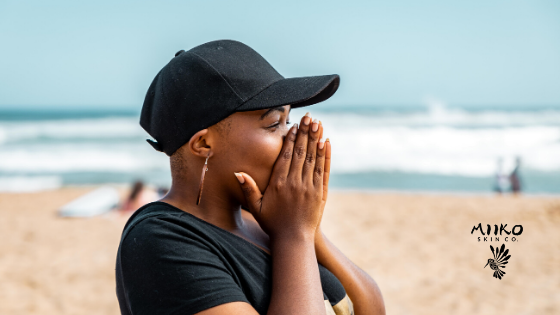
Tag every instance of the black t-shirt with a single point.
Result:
(172, 262)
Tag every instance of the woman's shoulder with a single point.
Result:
(158, 210)
(150, 213)
(159, 224)
(171, 264)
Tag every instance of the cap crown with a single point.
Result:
(200, 87)
(246, 72)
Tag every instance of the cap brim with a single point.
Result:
(297, 92)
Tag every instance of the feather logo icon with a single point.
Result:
(500, 260)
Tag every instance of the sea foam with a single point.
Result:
(436, 140)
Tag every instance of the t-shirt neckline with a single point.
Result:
(210, 224)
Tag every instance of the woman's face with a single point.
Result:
(251, 141)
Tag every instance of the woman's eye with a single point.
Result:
(276, 125)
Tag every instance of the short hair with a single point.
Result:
(224, 126)
(177, 163)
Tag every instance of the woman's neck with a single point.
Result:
(214, 208)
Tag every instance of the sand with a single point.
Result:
(418, 247)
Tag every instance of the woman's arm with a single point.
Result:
(360, 287)
(296, 283)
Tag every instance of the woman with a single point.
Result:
(221, 108)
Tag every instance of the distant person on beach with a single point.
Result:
(501, 179)
(220, 112)
(139, 196)
(514, 177)
(162, 191)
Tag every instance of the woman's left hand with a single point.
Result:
(327, 170)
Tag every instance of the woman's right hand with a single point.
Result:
(292, 204)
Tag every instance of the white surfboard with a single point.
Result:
(97, 202)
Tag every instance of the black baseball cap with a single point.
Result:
(200, 87)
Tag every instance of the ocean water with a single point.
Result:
(431, 148)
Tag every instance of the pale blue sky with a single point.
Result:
(104, 53)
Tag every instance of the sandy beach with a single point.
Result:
(418, 247)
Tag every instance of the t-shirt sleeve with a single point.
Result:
(168, 269)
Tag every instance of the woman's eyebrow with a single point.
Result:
(273, 109)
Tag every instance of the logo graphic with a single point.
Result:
(499, 261)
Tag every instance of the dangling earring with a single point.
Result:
(204, 169)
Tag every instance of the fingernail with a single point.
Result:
(315, 125)
(327, 139)
(321, 144)
(240, 177)
(294, 129)
(307, 119)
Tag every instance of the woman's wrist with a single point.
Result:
(297, 236)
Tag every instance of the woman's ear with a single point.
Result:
(200, 144)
